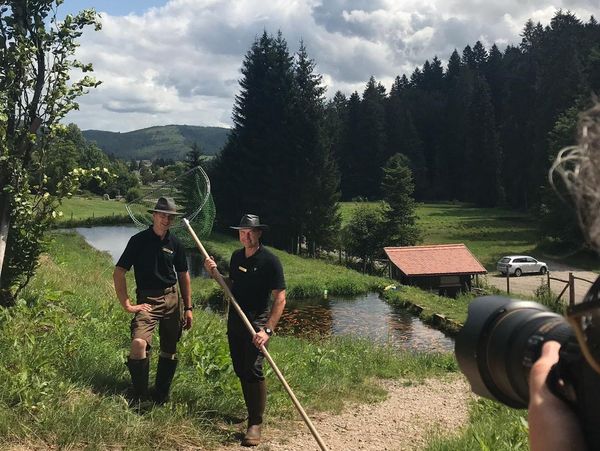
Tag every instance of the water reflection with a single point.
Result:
(111, 239)
(368, 317)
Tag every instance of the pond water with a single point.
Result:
(111, 239)
(366, 316)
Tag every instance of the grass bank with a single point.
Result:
(305, 277)
(63, 385)
(87, 211)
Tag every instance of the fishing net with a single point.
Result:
(191, 192)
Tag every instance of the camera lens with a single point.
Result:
(500, 341)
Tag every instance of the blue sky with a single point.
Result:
(178, 61)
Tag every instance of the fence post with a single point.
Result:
(508, 279)
(571, 289)
(548, 277)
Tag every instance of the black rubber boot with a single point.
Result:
(164, 377)
(139, 370)
(255, 395)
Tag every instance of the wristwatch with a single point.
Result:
(268, 331)
(188, 308)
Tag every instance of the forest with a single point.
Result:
(483, 128)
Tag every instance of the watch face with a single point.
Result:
(268, 331)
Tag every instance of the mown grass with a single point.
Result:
(63, 374)
(87, 211)
(305, 277)
(489, 233)
(80, 208)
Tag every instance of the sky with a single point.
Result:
(178, 61)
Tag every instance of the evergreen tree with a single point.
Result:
(251, 171)
(372, 139)
(350, 157)
(397, 187)
(402, 135)
(482, 149)
(480, 56)
(316, 210)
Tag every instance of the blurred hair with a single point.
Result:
(579, 168)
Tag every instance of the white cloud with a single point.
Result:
(180, 63)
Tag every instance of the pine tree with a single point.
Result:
(482, 149)
(316, 202)
(372, 139)
(350, 157)
(250, 170)
(397, 187)
(402, 136)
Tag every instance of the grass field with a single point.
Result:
(78, 208)
(64, 388)
(489, 233)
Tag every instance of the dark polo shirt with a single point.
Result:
(154, 260)
(253, 280)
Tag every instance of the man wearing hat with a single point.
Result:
(255, 275)
(158, 259)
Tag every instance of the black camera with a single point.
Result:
(503, 337)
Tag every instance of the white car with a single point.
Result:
(520, 264)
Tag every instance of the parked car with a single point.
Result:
(520, 264)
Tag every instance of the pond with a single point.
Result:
(367, 316)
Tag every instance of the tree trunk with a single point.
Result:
(4, 227)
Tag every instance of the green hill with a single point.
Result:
(168, 141)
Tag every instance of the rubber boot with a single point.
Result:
(255, 395)
(139, 370)
(164, 377)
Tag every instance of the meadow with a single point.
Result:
(65, 386)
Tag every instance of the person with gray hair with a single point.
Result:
(552, 423)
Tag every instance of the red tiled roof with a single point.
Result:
(440, 259)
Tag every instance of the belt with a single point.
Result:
(156, 291)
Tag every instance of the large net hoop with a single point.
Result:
(191, 192)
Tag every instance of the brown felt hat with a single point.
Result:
(165, 205)
(250, 221)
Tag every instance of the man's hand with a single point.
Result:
(188, 319)
(137, 308)
(209, 265)
(260, 339)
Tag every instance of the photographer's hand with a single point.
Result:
(552, 423)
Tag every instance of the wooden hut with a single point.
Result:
(446, 268)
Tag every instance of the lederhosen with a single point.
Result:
(253, 280)
(155, 262)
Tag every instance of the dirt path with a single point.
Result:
(404, 421)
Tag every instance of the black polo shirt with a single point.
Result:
(154, 260)
(254, 278)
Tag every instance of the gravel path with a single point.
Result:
(528, 283)
(404, 421)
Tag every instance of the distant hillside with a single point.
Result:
(169, 141)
